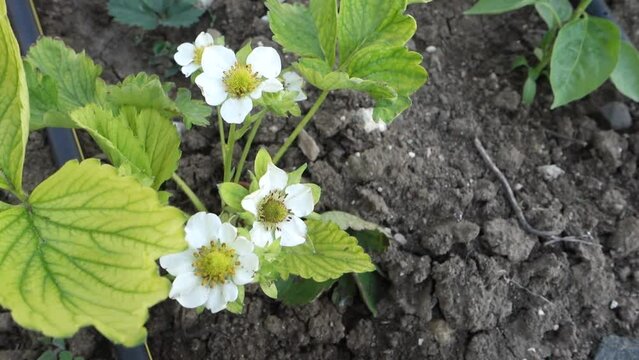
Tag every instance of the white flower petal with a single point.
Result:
(201, 229)
(227, 233)
(257, 93)
(241, 245)
(234, 111)
(217, 59)
(299, 199)
(292, 80)
(230, 291)
(301, 96)
(189, 69)
(185, 54)
(204, 39)
(292, 232)
(179, 263)
(274, 179)
(265, 61)
(272, 85)
(216, 300)
(245, 273)
(188, 291)
(212, 88)
(184, 283)
(250, 201)
(260, 235)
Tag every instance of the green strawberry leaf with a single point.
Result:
(584, 56)
(328, 254)
(294, 28)
(626, 73)
(14, 108)
(554, 12)
(489, 7)
(194, 112)
(232, 194)
(298, 291)
(83, 253)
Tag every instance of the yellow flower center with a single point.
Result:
(240, 80)
(215, 263)
(272, 210)
(199, 52)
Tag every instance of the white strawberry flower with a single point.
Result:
(278, 209)
(217, 262)
(234, 85)
(189, 56)
(294, 82)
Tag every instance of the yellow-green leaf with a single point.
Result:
(293, 27)
(328, 254)
(14, 108)
(83, 251)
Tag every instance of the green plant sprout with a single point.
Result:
(149, 14)
(81, 249)
(578, 53)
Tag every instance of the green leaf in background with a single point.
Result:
(232, 194)
(299, 291)
(293, 28)
(180, 13)
(371, 288)
(363, 23)
(14, 108)
(584, 55)
(149, 14)
(626, 73)
(328, 254)
(159, 139)
(324, 13)
(75, 75)
(530, 91)
(83, 253)
(194, 112)
(484, 7)
(554, 12)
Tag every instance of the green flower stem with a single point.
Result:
(220, 125)
(230, 144)
(247, 146)
(189, 193)
(302, 124)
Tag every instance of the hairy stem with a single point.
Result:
(220, 125)
(247, 146)
(302, 124)
(230, 144)
(197, 203)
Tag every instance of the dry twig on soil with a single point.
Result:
(550, 236)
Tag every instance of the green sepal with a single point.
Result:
(269, 289)
(316, 190)
(237, 306)
(232, 194)
(262, 161)
(295, 177)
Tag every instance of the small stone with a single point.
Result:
(442, 332)
(550, 172)
(617, 114)
(308, 146)
(400, 239)
(541, 312)
(613, 305)
(508, 100)
(610, 147)
(506, 238)
(365, 117)
(411, 155)
(431, 49)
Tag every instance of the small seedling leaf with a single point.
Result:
(491, 7)
(626, 73)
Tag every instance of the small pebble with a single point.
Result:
(617, 114)
(431, 49)
(420, 341)
(550, 172)
(541, 312)
(411, 155)
(613, 305)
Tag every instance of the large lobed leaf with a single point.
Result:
(328, 254)
(14, 108)
(149, 14)
(82, 252)
(584, 56)
(371, 36)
